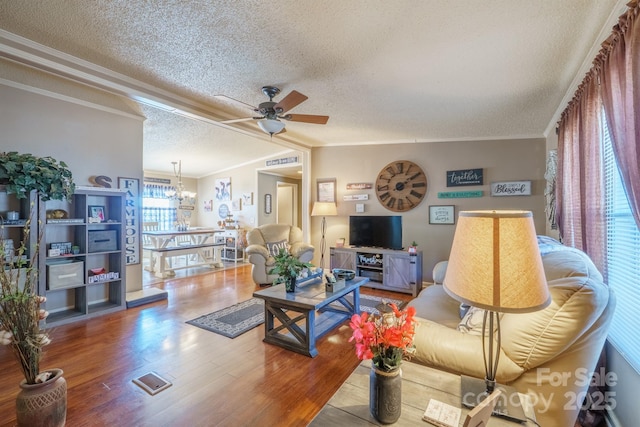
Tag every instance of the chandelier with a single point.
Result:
(179, 193)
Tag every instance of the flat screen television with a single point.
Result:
(376, 231)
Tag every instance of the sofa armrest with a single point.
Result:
(447, 349)
(299, 248)
(257, 250)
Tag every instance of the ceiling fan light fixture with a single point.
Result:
(271, 126)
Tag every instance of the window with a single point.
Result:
(157, 207)
(623, 260)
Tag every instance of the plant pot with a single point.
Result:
(43, 405)
(385, 395)
(290, 284)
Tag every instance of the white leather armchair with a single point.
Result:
(265, 241)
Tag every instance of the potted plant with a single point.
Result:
(413, 248)
(22, 173)
(288, 268)
(20, 312)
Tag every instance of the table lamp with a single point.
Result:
(495, 264)
(323, 209)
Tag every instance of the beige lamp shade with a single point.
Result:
(495, 262)
(324, 209)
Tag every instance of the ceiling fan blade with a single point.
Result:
(246, 119)
(288, 102)
(235, 101)
(307, 118)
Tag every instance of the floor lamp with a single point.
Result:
(495, 264)
(323, 209)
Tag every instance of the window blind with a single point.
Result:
(623, 259)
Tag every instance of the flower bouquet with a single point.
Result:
(386, 339)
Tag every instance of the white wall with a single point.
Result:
(47, 116)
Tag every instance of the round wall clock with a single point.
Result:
(401, 186)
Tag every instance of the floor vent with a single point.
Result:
(152, 383)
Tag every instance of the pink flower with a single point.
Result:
(386, 339)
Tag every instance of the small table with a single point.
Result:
(291, 308)
(349, 406)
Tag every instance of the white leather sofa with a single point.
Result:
(547, 354)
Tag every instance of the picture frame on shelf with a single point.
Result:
(442, 214)
(326, 190)
(97, 212)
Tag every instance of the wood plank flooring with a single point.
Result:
(217, 381)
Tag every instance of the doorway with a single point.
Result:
(287, 203)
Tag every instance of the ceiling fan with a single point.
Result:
(271, 112)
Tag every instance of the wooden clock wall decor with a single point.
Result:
(401, 186)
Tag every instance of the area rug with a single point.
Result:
(242, 317)
(234, 320)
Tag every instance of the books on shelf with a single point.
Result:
(65, 221)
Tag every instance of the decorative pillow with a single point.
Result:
(471, 323)
(274, 247)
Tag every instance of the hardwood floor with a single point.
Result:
(216, 380)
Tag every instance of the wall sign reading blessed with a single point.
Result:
(464, 177)
(511, 188)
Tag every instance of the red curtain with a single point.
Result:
(580, 186)
(612, 84)
(620, 78)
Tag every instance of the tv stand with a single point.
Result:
(388, 269)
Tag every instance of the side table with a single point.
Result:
(350, 404)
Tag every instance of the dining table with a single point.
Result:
(197, 244)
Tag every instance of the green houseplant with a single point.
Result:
(22, 173)
(42, 398)
(288, 268)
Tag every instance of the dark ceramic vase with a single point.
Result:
(385, 395)
(290, 284)
(43, 405)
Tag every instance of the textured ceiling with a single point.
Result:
(408, 70)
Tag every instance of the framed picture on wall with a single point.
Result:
(247, 198)
(223, 189)
(326, 190)
(267, 204)
(442, 214)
